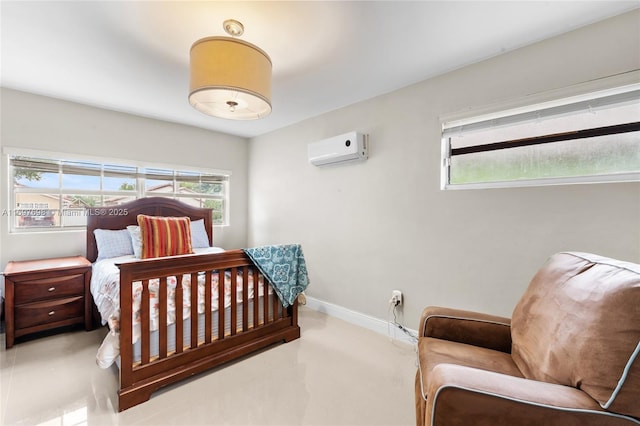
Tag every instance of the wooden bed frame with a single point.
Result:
(138, 380)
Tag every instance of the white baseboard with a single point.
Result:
(359, 319)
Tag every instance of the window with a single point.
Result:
(579, 139)
(53, 194)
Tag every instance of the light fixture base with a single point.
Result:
(233, 28)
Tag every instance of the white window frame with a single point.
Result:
(139, 192)
(574, 94)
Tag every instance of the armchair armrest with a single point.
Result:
(457, 394)
(473, 328)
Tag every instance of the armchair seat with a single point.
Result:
(435, 352)
(569, 355)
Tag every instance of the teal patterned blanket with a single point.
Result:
(284, 267)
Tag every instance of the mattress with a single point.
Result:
(105, 289)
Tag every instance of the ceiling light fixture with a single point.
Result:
(230, 78)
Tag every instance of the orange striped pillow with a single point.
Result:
(164, 236)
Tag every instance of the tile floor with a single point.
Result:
(335, 374)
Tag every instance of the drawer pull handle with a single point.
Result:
(51, 313)
(51, 289)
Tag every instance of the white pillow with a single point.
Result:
(199, 236)
(136, 239)
(113, 243)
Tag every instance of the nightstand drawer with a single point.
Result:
(49, 288)
(49, 312)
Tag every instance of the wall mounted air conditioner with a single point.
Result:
(346, 148)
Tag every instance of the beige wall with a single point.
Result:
(41, 123)
(369, 228)
(383, 224)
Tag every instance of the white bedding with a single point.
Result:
(105, 288)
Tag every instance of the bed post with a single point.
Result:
(126, 350)
(129, 395)
(294, 332)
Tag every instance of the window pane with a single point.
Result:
(585, 157)
(158, 181)
(216, 205)
(35, 173)
(75, 181)
(119, 178)
(188, 183)
(82, 201)
(119, 184)
(36, 210)
(30, 178)
(589, 137)
(200, 188)
(217, 218)
(73, 216)
(74, 208)
(197, 183)
(218, 208)
(80, 175)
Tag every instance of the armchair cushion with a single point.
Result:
(578, 324)
(433, 352)
(461, 395)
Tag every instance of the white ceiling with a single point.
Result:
(133, 56)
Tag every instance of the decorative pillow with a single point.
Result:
(136, 240)
(199, 236)
(112, 243)
(164, 236)
(578, 324)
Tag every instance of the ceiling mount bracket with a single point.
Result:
(233, 28)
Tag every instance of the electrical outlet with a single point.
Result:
(396, 298)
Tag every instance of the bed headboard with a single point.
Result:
(122, 215)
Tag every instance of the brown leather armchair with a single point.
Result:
(569, 355)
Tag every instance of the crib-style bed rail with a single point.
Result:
(196, 341)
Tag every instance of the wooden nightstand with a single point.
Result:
(45, 294)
